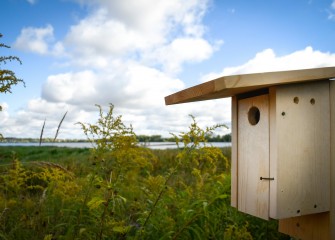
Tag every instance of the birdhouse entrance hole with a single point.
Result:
(254, 115)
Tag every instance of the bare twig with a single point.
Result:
(3, 212)
(52, 165)
(60, 123)
(41, 136)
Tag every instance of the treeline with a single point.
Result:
(36, 140)
(219, 138)
(159, 138)
(140, 138)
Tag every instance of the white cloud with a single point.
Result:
(155, 16)
(331, 15)
(131, 85)
(68, 87)
(267, 61)
(37, 40)
(4, 112)
(180, 50)
(98, 35)
(137, 29)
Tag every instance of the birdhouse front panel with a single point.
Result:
(253, 156)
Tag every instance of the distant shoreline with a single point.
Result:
(140, 138)
(151, 145)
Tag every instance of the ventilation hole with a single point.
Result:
(312, 101)
(254, 115)
(298, 211)
(315, 206)
(296, 100)
(283, 113)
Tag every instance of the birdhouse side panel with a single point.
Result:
(234, 172)
(332, 164)
(303, 149)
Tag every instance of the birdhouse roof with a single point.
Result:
(228, 86)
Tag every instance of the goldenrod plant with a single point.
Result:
(7, 77)
(120, 190)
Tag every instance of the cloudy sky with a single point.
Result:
(133, 53)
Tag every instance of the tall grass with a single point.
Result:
(41, 135)
(59, 125)
(57, 131)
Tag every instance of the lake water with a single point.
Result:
(152, 145)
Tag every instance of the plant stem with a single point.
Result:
(41, 136)
(158, 197)
(109, 196)
(60, 123)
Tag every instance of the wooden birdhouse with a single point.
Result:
(283, 146)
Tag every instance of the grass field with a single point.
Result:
(44, 153)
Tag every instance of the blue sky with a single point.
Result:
(132, 53)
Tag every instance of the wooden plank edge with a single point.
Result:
(228, 86)
(234, 161)
(275, 78)
(273, 153)
(332, 159)
(195, 93)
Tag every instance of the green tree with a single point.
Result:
(7, 77)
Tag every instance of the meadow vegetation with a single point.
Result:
(119, 190)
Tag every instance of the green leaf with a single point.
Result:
(223, 196)
(47, 237)
(121, 229)
(95, 202)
